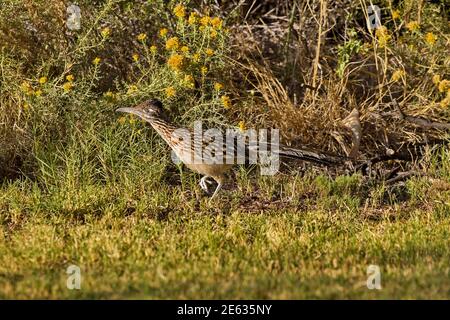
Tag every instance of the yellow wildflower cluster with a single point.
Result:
(430, 38)
(106, 32)
(163, 32)
(185, 55)
(413, 26)
(226, 101)
(170, 92)
(216, 22)
(196, 57)
(110, 95)
(204, 21)
(67, 86)
(192, 18)
(172, 43)
(241, 126)
(132, 89)
(436, 79)
(141, 37)
(398, 74)
(26, 88)
(42, 80)
(96, 61)
(443, 85)
(179, 11)
(175, 61)
(383, 36)
(446, 101)
(122, 119)
(395, 14)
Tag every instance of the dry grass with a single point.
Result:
(80, 184)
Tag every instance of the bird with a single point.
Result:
(210, 157)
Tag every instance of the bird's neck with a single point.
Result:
(164, 128)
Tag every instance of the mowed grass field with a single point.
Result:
(281, 237)
(84, 186)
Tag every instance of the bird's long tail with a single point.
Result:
(302, 154)
(308, 155)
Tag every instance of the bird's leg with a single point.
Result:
(219, 181)
(219, 186)
(203, 184)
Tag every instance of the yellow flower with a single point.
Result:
(398, 74)
(209, 51)
(105, 32)
(141, 36)
(412, 26)
(226, 101)
(436, 79)
(196, 57)
(109, 95)
(135, 57)
(163, 32)
(383, 36)
(242, 126)
(218, 86)
(192, 18)
(216, 22)
(42, 80)
(213, 33)
(204, 21)
(26, 87)
(170, 92)
(430, 38)
(70, 78)
(172, 43)
(446, 101)
(153, 49)
(189, 81)
(175, 61)
(204, 70)
(122, 119)
(179, 10)
(395, 14)
(26, 106)
(443, 85)
(67, 86)
(96, 61)
(132, 89)
(38, 93)
(185, 49)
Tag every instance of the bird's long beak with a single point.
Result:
(131, 110)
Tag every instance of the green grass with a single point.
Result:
(277, 237)
(81, 184)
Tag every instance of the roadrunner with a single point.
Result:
(201, 162)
